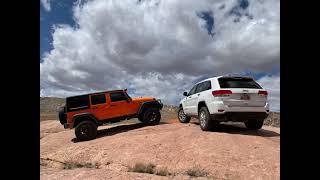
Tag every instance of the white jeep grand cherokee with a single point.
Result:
(225, 98)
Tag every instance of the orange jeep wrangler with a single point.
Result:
(86, 112)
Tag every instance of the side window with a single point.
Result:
(199, 88)
(77, 103)
(118, 96)
(207, 85)
(98, 99)
(203, 86)
(193, 90)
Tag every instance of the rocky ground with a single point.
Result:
(229, 151)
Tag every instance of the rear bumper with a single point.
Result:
(217, 107)
(239, 116)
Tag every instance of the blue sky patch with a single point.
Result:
(60, 13)
(208, 17)
(240, 9)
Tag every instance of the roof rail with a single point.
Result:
(236, 74)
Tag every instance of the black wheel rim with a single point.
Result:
(85, 130)
(152, 116)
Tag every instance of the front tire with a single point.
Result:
(183, 118)
(204, 119)
(254, 124)
(86, 130)
(151, 117)
(140, 118)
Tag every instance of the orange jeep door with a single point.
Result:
(119, 104)
(99, 105)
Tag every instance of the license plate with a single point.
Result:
(245, 97)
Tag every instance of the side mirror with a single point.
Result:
(185, 93)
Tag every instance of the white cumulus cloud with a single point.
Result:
(272, 85)
(46, 4)
(158, 48)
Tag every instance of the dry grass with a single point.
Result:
(73, 165)
(70, 164)
(197, 172)
(162, 172)
(143, 168)
(149, 168)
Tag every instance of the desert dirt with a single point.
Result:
(230, 151)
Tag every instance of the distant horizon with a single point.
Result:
(163, 104)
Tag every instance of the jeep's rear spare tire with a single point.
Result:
(151, 117)
(62, 115)
(254, 124)
(86, 130)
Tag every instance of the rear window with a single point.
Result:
(77, 103)
(238, 83)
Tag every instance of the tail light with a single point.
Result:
(263, 93)
(221, 93)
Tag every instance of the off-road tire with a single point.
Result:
(151, 117)
(182, 117)
(86, 130)
(204, 119)
(140, 117)
(254, 124)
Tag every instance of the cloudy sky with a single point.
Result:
(156, 47)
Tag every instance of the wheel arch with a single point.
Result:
(200, 105)
(149, 104)
(84, 117)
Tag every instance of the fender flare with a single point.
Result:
(148, 104)
(78, 118)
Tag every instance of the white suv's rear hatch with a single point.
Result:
(241, 92)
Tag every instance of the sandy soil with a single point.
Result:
(228, 152)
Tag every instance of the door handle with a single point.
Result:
(95, 108)
(112, 105)
(198, 94)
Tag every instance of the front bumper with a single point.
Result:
(67, 126)
(160, 104)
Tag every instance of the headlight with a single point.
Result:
(159, 100)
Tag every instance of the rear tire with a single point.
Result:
(151, 117)
(254, 124)
(183, 118)
(86, 130)
(204, 119)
